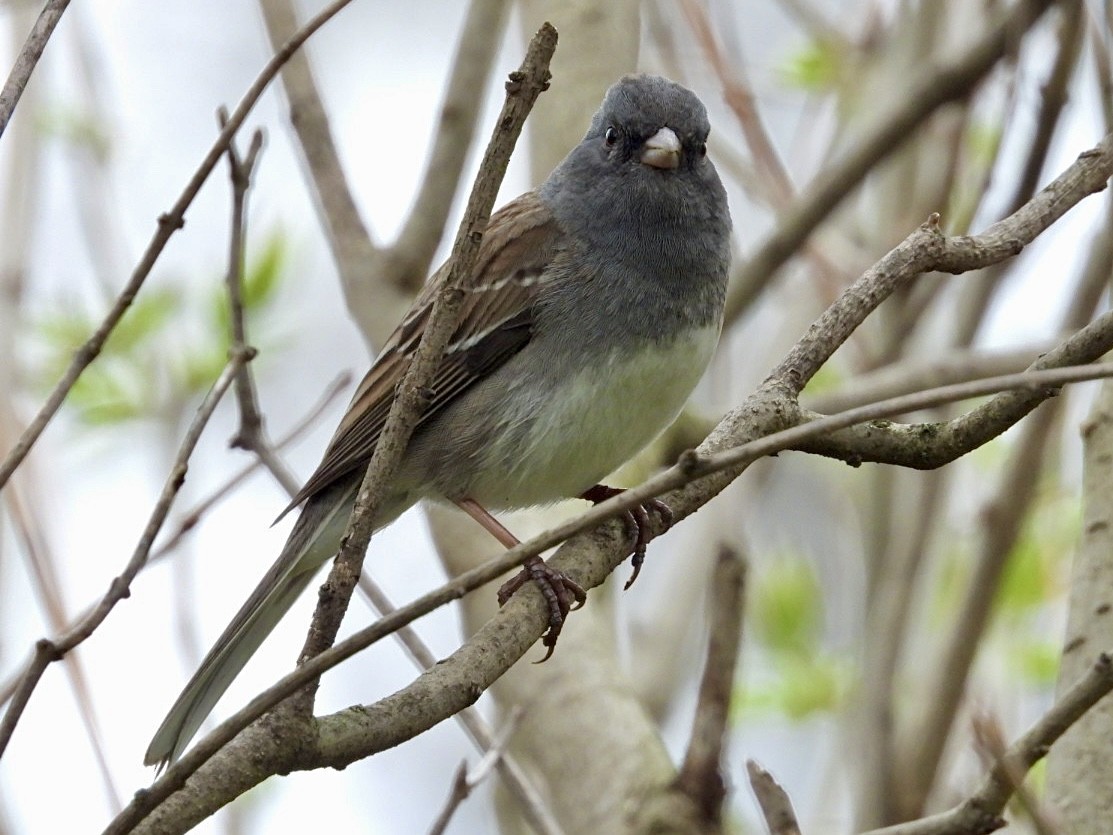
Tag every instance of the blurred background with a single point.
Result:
(889, 613)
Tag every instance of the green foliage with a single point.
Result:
(75, 127)
(827, 378)
(802, 688)
(786, 616)
(983, 142)
(1034, 573)
(787, 609)
(169, 346)
(260, 281)
(816, 67)
(1036, 660)
(1032, 580)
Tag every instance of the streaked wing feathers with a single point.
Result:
(520, 242)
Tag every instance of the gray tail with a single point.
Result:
(313, 541)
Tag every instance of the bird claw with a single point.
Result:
(638, 518)
(562, 595)
(637, 521)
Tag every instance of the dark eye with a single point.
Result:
(702, 149)
(610, 137)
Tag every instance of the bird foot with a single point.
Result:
(562, 594)
(637, 520)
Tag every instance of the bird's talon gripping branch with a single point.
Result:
(562, 595)
(637, 520)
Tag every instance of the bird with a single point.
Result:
(594, 308)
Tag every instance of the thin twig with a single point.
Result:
(467, 779)
(42, 564)
(518, 782)
(459, 792)
(349, 240)
(28, 58)
(513, 637)
(989, 740)
(977, 297)
(411, 397)
(478, 43)
(400, 269)
(188, 520)
(168, 224)
(519, 624)
(251, 434)
(240, 172)
(939, 369)
(740, 100)
(48, 650)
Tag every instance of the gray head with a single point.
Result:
(643, 159)
(647, 211)
(637, 106)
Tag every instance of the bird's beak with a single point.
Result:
(662, 150)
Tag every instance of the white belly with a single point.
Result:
(596, 422)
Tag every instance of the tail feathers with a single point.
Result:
(221, 666)
(314, 539)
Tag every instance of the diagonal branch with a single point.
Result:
(751, 431)
(28, 58)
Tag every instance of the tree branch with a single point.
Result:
(28, 58)
(700, 777)
(981, 812)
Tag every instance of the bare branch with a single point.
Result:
(940, 369)
(475, 52)
(189, 519)
(457, 681)
(517, 781)
(989, 737)
(411, 395)
(351, 245)
(461, 788)
(27, 59)
(466, 780)
(945, 84)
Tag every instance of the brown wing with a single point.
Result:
(496, 322)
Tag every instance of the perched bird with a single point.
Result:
(593, 310)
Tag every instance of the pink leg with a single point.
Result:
(562, 594)
(490, 524)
